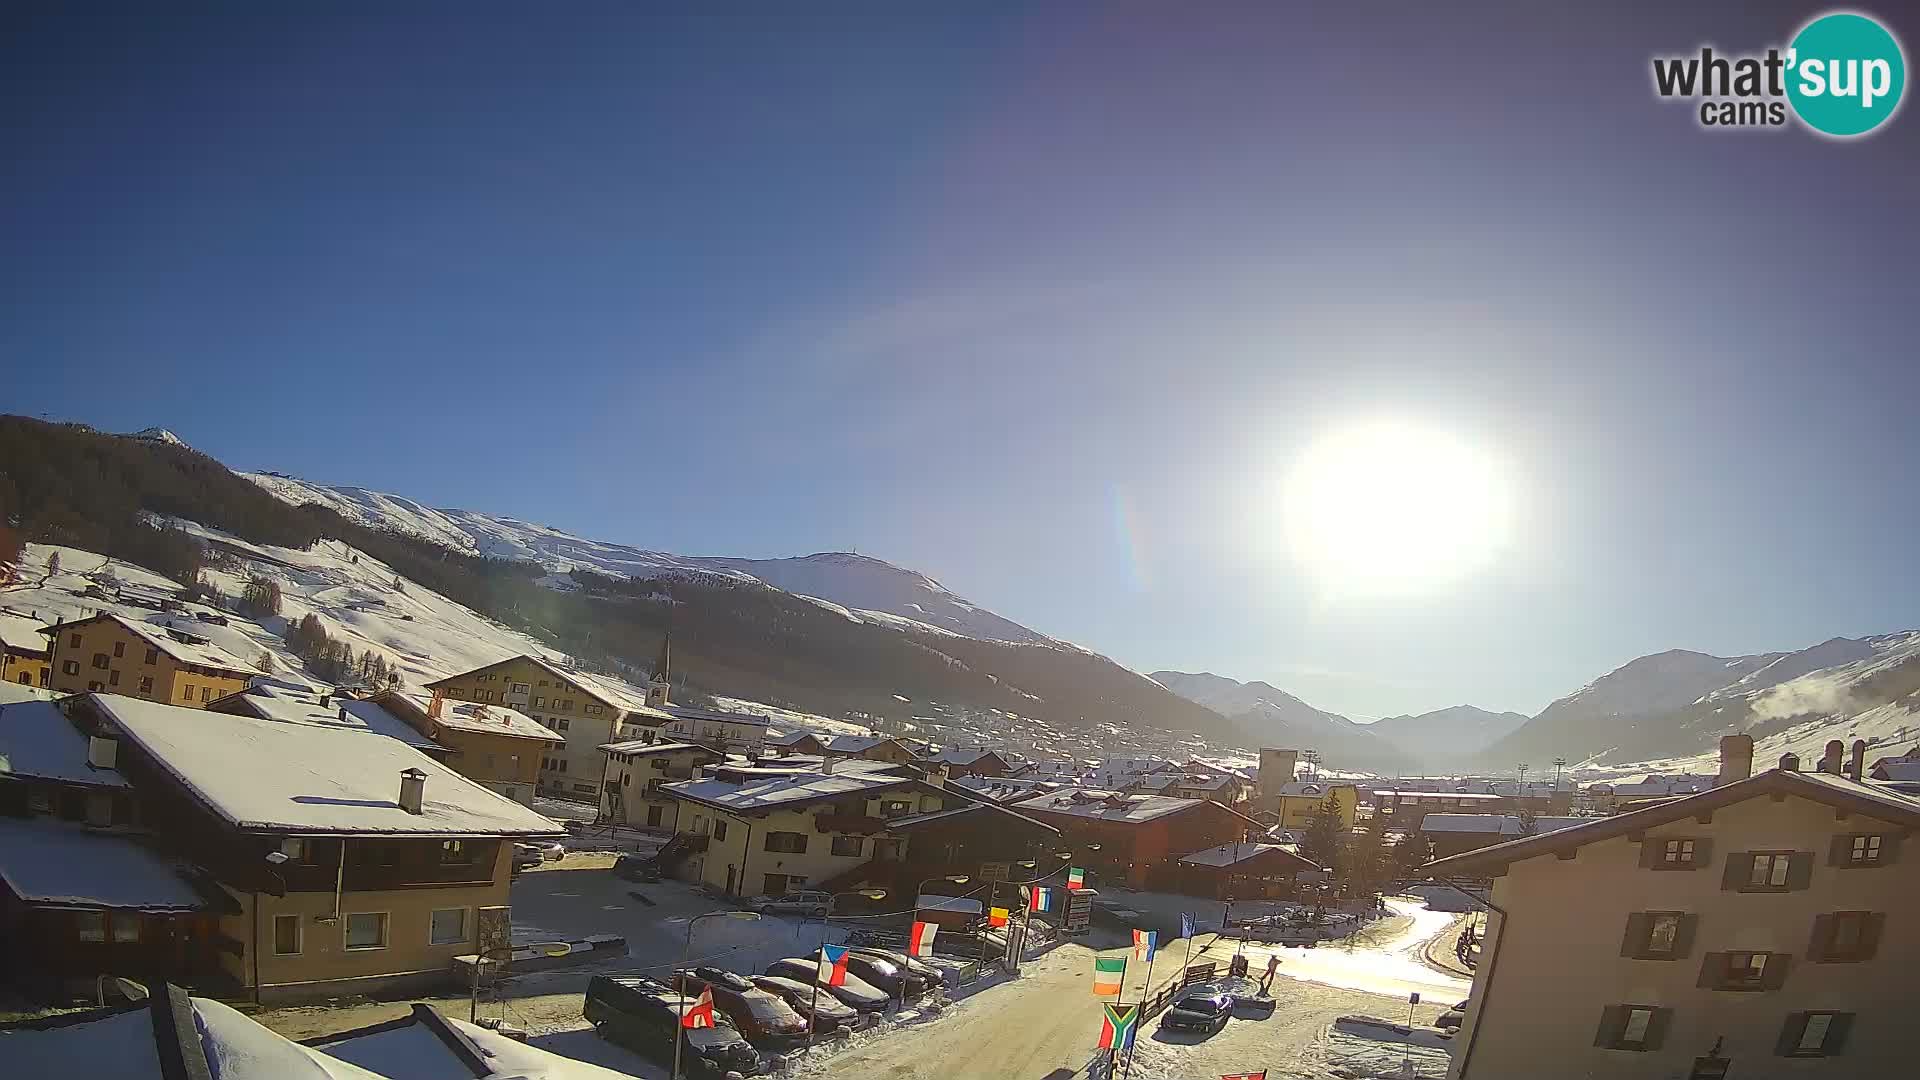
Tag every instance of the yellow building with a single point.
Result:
(113, 654)
(1764, 927)
(23, 651)
(584, 710)
(496, 747)
(635, 773)
(1296, 803)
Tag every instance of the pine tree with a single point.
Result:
(53, 563)
(265, 662)
(1323, 840)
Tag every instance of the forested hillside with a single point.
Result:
(68, 484)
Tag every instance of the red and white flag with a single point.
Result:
(701, 1014)
(920, 942)
(1261, 1075)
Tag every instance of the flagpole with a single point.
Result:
(813, 1007)
(1139, 1018)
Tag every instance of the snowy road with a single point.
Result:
(1392, 967)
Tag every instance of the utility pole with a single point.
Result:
(1558, 764)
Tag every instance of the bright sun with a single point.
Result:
(1395, 507)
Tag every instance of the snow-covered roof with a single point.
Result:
(303, 778)
(22, 635)
(1310, 789)
(1489, 824)
(1201, 782)
(270, 699)
(12, 692)
(962, 757)
(47, 861)
(783, 790)
(607, 692)
(1897, 770)
(688, 712)
(487, 718)
(1231, 854)
(639, 748)
(1102, 805)
(428, 1046)
(791, 738)
(184, 645)
(37, 740)
(1433, 796)
(854, 744)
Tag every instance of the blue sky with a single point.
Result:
(1040, 304)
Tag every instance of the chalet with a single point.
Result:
(352, 862)
(796, 742)
(630, 792)
(1763, 927)
(1296, 803)
(1140, 837)
(24, 652)
(112, 654)
(286, 702)
(1905, 767)
(1241, 871)
(585, 710)
(730, 731)
(1454, 834)
(1225, 790)
(975, 761)
(1405, 809)
(870, 748)
(497, 747)
(49, 766)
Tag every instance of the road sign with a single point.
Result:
(1079, 910)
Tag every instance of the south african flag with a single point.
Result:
(1118, 1025)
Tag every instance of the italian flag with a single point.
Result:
(1109, 974)
(920, 942)
(1118, 1025)
(1076, 878)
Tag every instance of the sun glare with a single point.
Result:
(1395, 507)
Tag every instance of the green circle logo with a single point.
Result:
(1845, 74)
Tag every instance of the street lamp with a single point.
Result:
(680, 1034)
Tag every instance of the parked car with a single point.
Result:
(633, 867)
(1199, 1008)
(890, 977)
(764, 1018)
(856, 991)
(930, 975)
(1453, 1017)
(524, 856)
(829, 1013)
(643, 1015)
(805, 903)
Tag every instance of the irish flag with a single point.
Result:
(833, 965)
(920, 942)
(701, 1014)
(1144, 943)
(1118, 1025)
(1042, 899)
(1076, 878)
(1109, 973)
(997, 916)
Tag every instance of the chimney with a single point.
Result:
(325, 699)
(413, 790)
(826, 766)
(1736, 759)
(343, 710)
(102, 753)
(436, 704)
(1789, 762)
(1857, 764)
(1830, 761)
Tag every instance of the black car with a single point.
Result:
(855, 992)
(643, 1015)
(764, 1018)
(633, 867)
(1199, 1009)
(927, 972)
(885, 974)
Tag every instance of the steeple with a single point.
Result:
(657, 689)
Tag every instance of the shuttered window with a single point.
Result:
(1749, 971)
(1853, 851)
(1814, 1034)
(1675, 852)
(1633, 1027)
(1846, 937)
(1659, 935)
(1768, 871)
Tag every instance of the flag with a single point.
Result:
(1144, 944)
(1076, 878)
(1117, 1026)
(1261, 1075)
(1042, 899)
(1109, 972)
(833, 965)
(997, 916)
(920, 943)
(1186, 924)
(701, 1014)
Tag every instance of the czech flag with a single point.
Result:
(833, 965)
(1109, 973)
(1042, 899)
(1118, 1025)
(920, 942)
(1076, 878)
(701, 1014)
(997, 916)
(1261, 1075)
(1144, 944)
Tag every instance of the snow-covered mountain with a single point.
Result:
(1675, 705)
(1447, 736)
(863, 588)
(1274, 717)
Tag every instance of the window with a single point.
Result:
(539, 703)
(100, 660)
(720, 830)
(543, 682)
(95, 685)
(206, 693)
(1813, 1034)
(1632, 1027)
(657, 764)
(153, 656)
(895, 808)
(791, 843)
(1742, 970)
(455, 853)
(186, 692)
(91, 925)
(1854, 850)
(1768, 871)
(562, 762)
(126, 928)
(562, 723)
(566, 705)
(886, 849)
(1674, 852)
(146, 684)
(449, 926)
(119, 649)
(592, 709)
(1845, 937)
(298, 849)
(1866, 849)
(113, 678)
(74, 641)
(286, 935)
(70, 667)
(367, 930)
(847, 845)
(1658, 935)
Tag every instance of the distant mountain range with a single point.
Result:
(1452, 736)
(1272, 717)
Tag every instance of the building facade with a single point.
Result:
(112, 654)
(635, 774)
(24, 657)
(1141, 838)
(497, 747)
(1761, 929)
